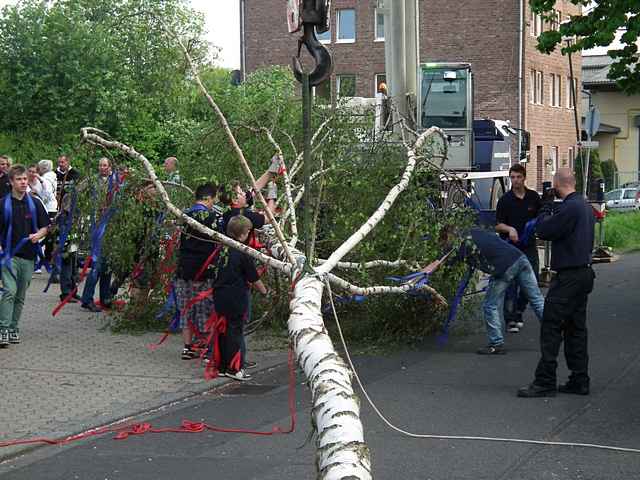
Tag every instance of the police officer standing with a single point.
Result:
(570, 230)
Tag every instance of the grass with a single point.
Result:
(622, 231)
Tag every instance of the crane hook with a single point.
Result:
(321, 56)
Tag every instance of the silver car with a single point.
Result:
(623, 199)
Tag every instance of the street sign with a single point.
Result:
(592, 122)
(592, 144)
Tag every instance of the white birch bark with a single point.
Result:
(341, 451)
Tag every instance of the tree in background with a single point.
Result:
(70, 63)
(597, 27)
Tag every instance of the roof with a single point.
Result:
(595, 69)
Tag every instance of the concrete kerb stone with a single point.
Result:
(70, 375)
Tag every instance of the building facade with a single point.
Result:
(513, 81)
(619, 132)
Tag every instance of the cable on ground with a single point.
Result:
(454, 437)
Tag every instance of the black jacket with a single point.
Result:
(570, 230)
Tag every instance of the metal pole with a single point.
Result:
(306, 170)
(575, 101)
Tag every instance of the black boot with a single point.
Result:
(532, 390)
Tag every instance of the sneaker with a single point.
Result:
(188, 354)
(4, 338)
(37, 270)
(520, 324)
(513, 327)
(240, 375)
(249, 364)
(92, 307)
(492, 350)
(14, 337)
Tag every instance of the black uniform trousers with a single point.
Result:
(565, 318)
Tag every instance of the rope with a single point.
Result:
(454, 437)
(187, 426)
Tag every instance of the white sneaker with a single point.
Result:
(240, 375)
(519, 324)
(39, 270)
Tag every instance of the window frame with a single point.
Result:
(376, 37)
(355, 23)
(376, 82)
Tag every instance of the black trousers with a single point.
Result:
(231, 342)
(565, 318)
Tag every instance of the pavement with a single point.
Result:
(447, 391)
(70, 373)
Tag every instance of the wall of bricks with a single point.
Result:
(482, 33)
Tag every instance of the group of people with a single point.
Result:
(512, 263)
(35, 197)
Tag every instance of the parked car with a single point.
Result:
(630, 185)
(623, 199)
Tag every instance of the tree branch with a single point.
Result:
(235, 146)
(388, 202)
(91, 135)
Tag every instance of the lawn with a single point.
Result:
(622, 231)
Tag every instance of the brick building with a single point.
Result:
(485, 34)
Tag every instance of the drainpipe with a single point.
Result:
(520, 75)
(243, 59)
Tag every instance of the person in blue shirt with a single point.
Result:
(485, 251)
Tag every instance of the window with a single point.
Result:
(379, 27)
(556, 89)
(630, 194)
(346, 85)
(324, 37)
(569, 101)
(554, 159)
(535, 24)
(556, 18)
(572, 157)
(322, 92)
(346, 26)
(615, 195)
(536, 87)
(378, 79)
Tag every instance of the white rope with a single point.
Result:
(455, 437)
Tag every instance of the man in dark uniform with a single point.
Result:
(570, 230)
(517, 207)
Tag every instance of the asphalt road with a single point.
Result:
(448, 390)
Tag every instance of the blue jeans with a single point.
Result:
(521, 273)
(98, 272)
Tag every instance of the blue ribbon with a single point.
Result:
(169, 304)
(343, 300)
(415, 290)
(65, 223)
(455, 303)
(528, 233)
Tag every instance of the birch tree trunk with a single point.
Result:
(341, 451)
